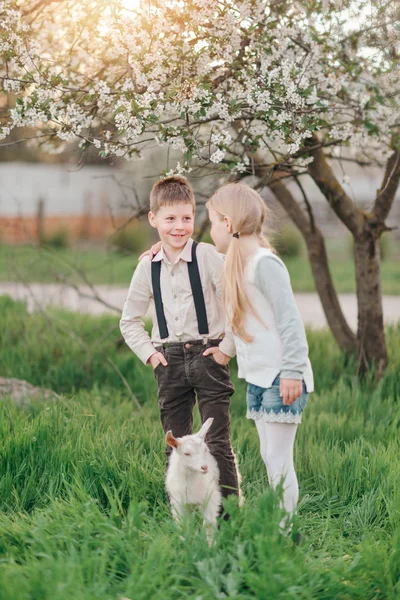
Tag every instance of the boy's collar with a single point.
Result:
(186, 253)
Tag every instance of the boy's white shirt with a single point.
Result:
(178, 302)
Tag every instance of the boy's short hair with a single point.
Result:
(169, 191)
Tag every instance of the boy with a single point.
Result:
(184, 280)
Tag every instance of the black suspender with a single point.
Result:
(197, 291)
(155, 280)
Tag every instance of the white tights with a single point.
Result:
(276, 447)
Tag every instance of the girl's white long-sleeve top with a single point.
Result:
(279, 340)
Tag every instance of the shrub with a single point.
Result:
(57, 239)
(288, 242)
(132, 239)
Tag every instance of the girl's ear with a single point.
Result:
(152, 221)
(228, 224)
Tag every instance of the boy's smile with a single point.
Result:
(175, 226)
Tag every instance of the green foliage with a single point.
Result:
(206, 237)
(83, 512)
(132, 239)
(58, 239)
(288, 242)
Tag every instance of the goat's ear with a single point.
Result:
(205, 428)
(171, 440)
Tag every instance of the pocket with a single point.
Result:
(163, 352)
(277, 381)
(217, 364)
(211, 357)
(157, 367)
(254, 396)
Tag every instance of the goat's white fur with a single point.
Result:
(193, 477)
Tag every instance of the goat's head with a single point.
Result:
(192, 449)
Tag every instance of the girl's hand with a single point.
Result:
(152, 252)
(219, 357)
(290, 390)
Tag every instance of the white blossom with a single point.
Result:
(217, 156)
(202, 77)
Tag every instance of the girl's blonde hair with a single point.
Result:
(248, 214)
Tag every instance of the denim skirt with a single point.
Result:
(267, 404)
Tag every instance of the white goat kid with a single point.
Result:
(193, 477)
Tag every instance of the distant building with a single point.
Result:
(88, 202)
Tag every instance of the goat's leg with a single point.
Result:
(177, 510)
(210, 514)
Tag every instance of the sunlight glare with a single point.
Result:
(130, 4)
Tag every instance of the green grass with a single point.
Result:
(83, 513)
(46, 265)
(343, 274)
(99, 266)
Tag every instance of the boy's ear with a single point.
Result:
(151, 218)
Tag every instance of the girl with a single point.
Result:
(271, 345)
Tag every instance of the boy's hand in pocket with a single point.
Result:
(219, 357)
(157, 358)
(290, 390)
(152, 252)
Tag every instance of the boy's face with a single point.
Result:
(174, 224)
(220, 230)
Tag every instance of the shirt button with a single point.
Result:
(175, 296)
(176, 318)
(172, 274)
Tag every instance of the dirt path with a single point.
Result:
(41, 295)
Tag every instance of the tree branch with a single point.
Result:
(292, 207)
(387, 191)
(306, 202)
(326, 180)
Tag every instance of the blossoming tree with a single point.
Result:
(268, 88)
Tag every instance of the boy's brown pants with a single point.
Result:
(190, 374)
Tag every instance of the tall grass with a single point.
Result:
(83, 512)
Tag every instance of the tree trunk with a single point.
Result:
(315, 242)
(40, 222)
(366, 229)
(342, 333)
(370, 335)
